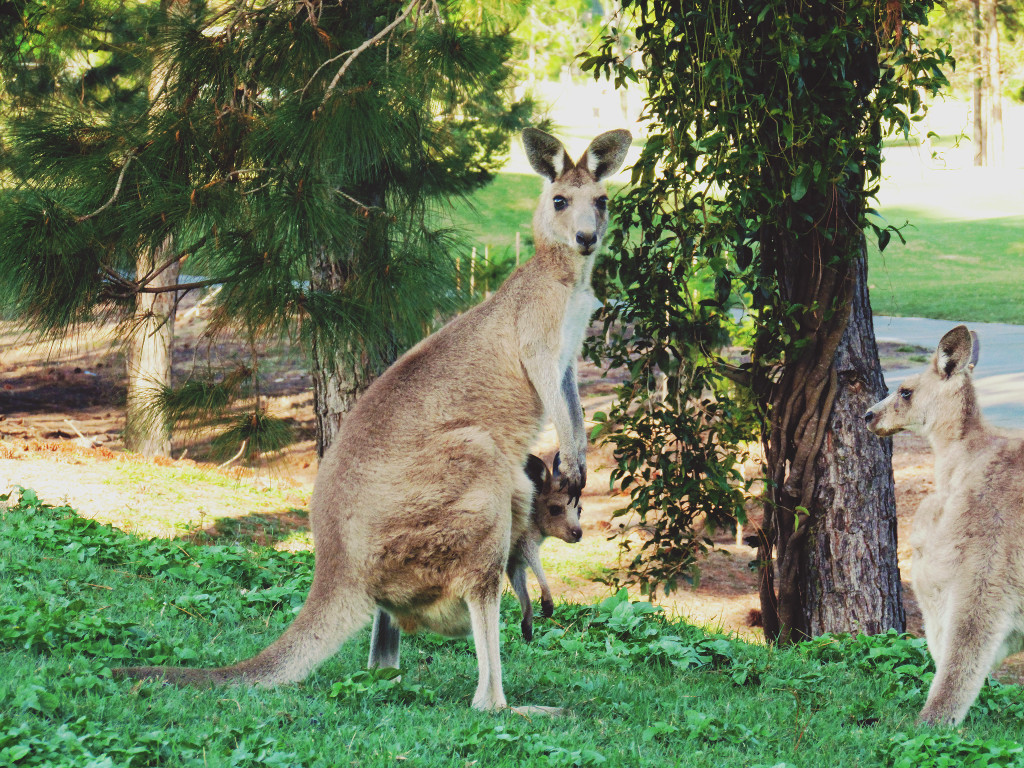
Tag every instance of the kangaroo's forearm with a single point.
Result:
(560, 397)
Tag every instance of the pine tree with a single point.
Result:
(300, 155)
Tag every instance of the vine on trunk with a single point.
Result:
(731, 270)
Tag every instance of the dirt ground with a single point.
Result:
(61, 412)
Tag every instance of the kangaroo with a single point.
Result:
(554, 514)
(968, 565)
(420, 496)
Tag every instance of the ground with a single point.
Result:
(61, 410)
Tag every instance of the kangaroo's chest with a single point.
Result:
(578, 311)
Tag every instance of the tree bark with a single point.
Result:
(335, 386)
(978, 86)
(799, 405)
(993, 87)
(339, 379)
(149, 357)
(152, 336)
(851, 569)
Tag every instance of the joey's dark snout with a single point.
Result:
(869, 417)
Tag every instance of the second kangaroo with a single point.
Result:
(968, 562)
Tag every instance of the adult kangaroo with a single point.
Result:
(423, 491)
(968, 563)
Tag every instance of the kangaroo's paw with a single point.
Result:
(547, 608)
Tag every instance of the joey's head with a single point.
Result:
(554, 512)
(573, 207)
(942, 395)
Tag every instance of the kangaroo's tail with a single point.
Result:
(332, 613)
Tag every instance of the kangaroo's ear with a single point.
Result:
(607, 152)
(546, 154)
(957, 351)
(537, 471)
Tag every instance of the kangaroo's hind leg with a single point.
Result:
(385, 642)
(975, 641)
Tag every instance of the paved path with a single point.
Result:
(999, 375)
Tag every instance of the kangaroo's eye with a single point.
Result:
(560, 203)
(906, 394)
(601, 203)
(554, 510)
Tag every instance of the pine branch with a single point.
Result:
(182, 286)
(353, 54)
(113, 197)
(154, 273)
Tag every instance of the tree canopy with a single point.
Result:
(285, 142)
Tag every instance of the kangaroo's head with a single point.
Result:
(941, 395)
(573, 206)
(554, 512)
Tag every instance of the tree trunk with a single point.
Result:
(851, 570)
(149, 357)
(152, 335)
(339, 379)
(799, 404)
(993, 87)
(335, 389)
(978, 86)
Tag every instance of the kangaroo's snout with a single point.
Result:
(577, 533)
(869, 417)
(586, 241)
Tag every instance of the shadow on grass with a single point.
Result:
(257, 529)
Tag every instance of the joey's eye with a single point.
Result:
(906, 394)
(554, 510)
(601, 203)
(560, 203)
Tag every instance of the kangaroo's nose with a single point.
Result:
(586, 239)
(869, 417)
(577, 533)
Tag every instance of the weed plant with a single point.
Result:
(77, 597)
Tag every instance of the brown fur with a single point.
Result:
(968, 563)
(422, 493)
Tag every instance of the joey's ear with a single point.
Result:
(956, 352)
(537, 471)
(607, 152)
(546, 154)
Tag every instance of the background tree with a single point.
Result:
(986, 38)
(753, 190)
(95, 61)
(297, 155)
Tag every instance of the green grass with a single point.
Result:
(493, 215)
(951, 269)
(77, 597)
(959, 263)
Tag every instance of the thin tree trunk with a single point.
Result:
(978, 86)
(851, 569)
(149, 348)
(993, 87)
(149, 357)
